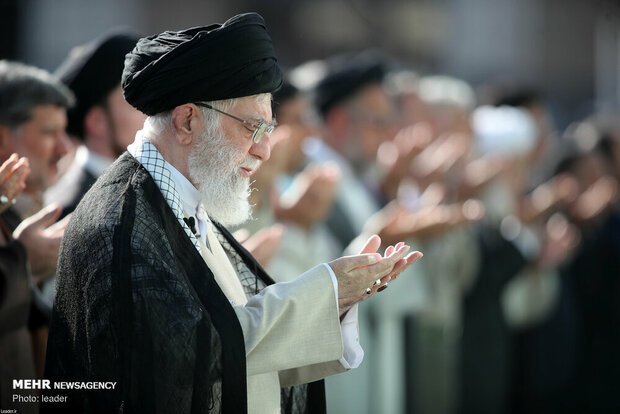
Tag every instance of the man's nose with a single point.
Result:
(262, 149)
(62, 143)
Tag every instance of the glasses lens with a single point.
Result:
(260, 131)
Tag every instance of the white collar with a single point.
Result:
(148, 155)
(91, 161)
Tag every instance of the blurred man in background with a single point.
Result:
(101, 122)
(32, 123)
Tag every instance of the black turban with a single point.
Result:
(92, 71)
(346, 75)
(206, 63)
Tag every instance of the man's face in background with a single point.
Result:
(123, 121)
(296, 113)
(43, 141)
(371, 122)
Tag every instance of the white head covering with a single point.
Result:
(504, 130)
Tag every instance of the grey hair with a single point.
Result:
(157, 124)
(24, 87)
(402, 82)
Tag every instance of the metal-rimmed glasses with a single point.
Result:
(260, 129)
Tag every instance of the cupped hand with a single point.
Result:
(361, 276)
(41, 235)
(13, 174)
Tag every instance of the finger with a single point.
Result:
(46, 216)
(22, 167)
(398, 252)
(414, 257)
(398, 268)
(371, 290)
(58, 229)
(381, 269)
(396, 255)
(402, 264)
(388, 251)
(372, 244)
(377, 288)
(7, 166)
(15, 182)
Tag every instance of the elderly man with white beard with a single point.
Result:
(155, 294)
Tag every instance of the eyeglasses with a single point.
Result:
(260, 129)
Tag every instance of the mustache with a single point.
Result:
(251, 163)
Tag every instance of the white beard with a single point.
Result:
(214, 167)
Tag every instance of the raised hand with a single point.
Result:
(310, 197)
(395, 157)
(13, 173)
(41, 237)
(264, 243)
(361, 276)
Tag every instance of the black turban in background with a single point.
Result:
(92, 71)
(206, 63)
(346, 75)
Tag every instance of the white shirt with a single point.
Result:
(91, 161)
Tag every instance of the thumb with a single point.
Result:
(372, 244)
(58, 228)
(46, 216)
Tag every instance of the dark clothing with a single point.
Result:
(16, 358)
(596, 271)
(570, 363)
(136, 304)
(14, 282)
(545, 358)
(486, 342)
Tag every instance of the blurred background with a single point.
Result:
(570, 49)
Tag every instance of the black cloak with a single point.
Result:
(137, 305)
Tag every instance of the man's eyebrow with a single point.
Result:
(50, 128)
(261, 119)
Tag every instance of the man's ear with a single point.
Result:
(186, 123)
(7, 144)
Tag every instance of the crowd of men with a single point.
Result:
(514, 309)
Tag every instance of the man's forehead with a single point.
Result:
(49, 116)
(254, 107)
